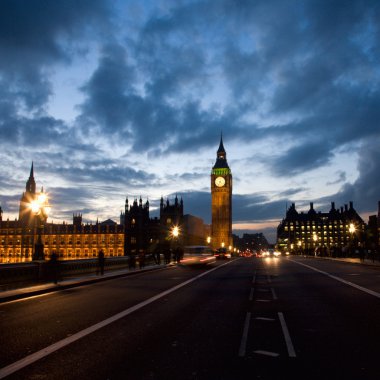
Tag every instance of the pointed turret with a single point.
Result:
(221, 151)
(221, 156)
(31, 183)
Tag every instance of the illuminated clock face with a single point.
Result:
(219, 181)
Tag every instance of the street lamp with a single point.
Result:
(40, 208)
(175, 232)
(315, 239)
(351, 230)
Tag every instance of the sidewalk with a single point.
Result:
(30, 291)
(351, 260)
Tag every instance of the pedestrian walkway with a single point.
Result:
(30, 291)
(352, 260)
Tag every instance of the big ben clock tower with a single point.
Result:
(221, 201)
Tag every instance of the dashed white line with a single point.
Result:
(243, 342)
(288, 340)
(273, 294)
(266, 353)
(265, 319)
(251, 294)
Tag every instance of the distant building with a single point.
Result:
(136, 231)
(373, 231)
(329, 232)
(195, 231)
(251, 242)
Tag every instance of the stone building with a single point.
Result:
(136, 231)
(329, 233)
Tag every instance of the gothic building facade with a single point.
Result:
(77, 240)
(145, 234)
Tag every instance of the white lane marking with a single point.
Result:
(243, 342)
(251, 294)
(273, 294)
(288, 340)
(267, 353)
(263, 300)
(254, 278)
(16, 366)
(365, 290)
(265, 319)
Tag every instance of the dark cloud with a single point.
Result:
(300, 75)
(365, 191)
(35, 35)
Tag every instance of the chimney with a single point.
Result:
(345, 208)
(332, 206)
(351, 205)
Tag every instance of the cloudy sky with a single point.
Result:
(128, 98)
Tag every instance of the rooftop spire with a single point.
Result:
(221, 156)
(221, 147)
(31, 183)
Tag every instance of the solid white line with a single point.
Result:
(244, 337)
(273, 294)
(16, 366)
(288, 340)
(365, 290)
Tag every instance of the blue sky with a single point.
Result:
(128, 98)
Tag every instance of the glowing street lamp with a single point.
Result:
(40, 208)
(352, 230)
(175, 232)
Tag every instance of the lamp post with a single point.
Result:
(175, 232)
(40, 208)
(351, 230)
(315, 239)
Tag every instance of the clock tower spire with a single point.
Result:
(221, 200)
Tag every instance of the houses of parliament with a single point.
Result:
(135, 232)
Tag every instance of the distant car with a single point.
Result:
(222, 253)
(271, 253)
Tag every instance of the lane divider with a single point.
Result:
(288, 340)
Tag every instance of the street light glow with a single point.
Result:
(175, 231)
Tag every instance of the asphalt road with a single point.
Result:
(251, 318)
